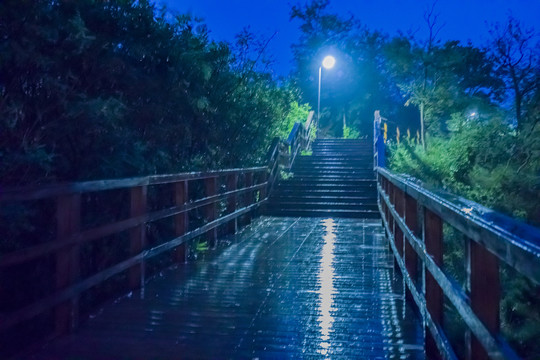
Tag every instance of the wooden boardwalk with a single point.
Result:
(282, 288)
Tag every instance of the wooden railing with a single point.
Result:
(240, 192)
(413, 218)
(194, 205)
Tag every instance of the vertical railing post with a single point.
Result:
(181, 221)
(391, 191)
(137, 235)
(248, 197)
(433, 240)
(485, 294)
(68, 217)
(210, 185)
(400, 209)
(386, 188)
(411, 220)
(232, 181)
(391, 221)
(263, 177)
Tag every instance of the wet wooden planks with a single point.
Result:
(282, 288)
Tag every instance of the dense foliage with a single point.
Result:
(94, 89)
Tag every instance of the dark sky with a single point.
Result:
(464, 19)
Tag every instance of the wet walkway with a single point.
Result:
(283, 288)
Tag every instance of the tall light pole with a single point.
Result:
(328, 63)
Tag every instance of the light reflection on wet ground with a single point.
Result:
(285, 288)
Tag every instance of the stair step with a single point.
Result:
(340, 171)
(365, 214)
(306, 181)
(322, 197)
(322, 206)
(328, 179)
(366, 165)
(307, 170)
(325, 187)
(325, 190)
(337, 147)
(369, 196)
(343, 141)
(334, 157)
(287, 193)
(337, 180)
(319, 153)
(367, 174)
(329, 151)
(337, 167)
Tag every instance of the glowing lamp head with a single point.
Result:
(329, 62)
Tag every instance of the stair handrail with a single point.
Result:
(299, 138)
(276, 156)
(283, 153)
(309, 133)
(379, 148)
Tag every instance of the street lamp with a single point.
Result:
(328, 63)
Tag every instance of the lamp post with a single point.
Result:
(328, 62)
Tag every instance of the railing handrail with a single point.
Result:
(520, 252)
(294, 133)
(37, 192)
(379, 155)
(299, 138)
(403, 204)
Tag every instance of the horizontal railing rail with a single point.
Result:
(34, 192)
(413, 218)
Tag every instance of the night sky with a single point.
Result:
(464, 19)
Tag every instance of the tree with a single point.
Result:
(516, 54)
(97, 89)
(357, 85)
(450, 78)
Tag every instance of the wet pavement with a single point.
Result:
(283, 288)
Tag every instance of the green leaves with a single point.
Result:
(482, 160)
(97, 90)
(297, 113)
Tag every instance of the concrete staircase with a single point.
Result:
(337, 180)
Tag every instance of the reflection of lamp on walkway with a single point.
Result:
(328, 62)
